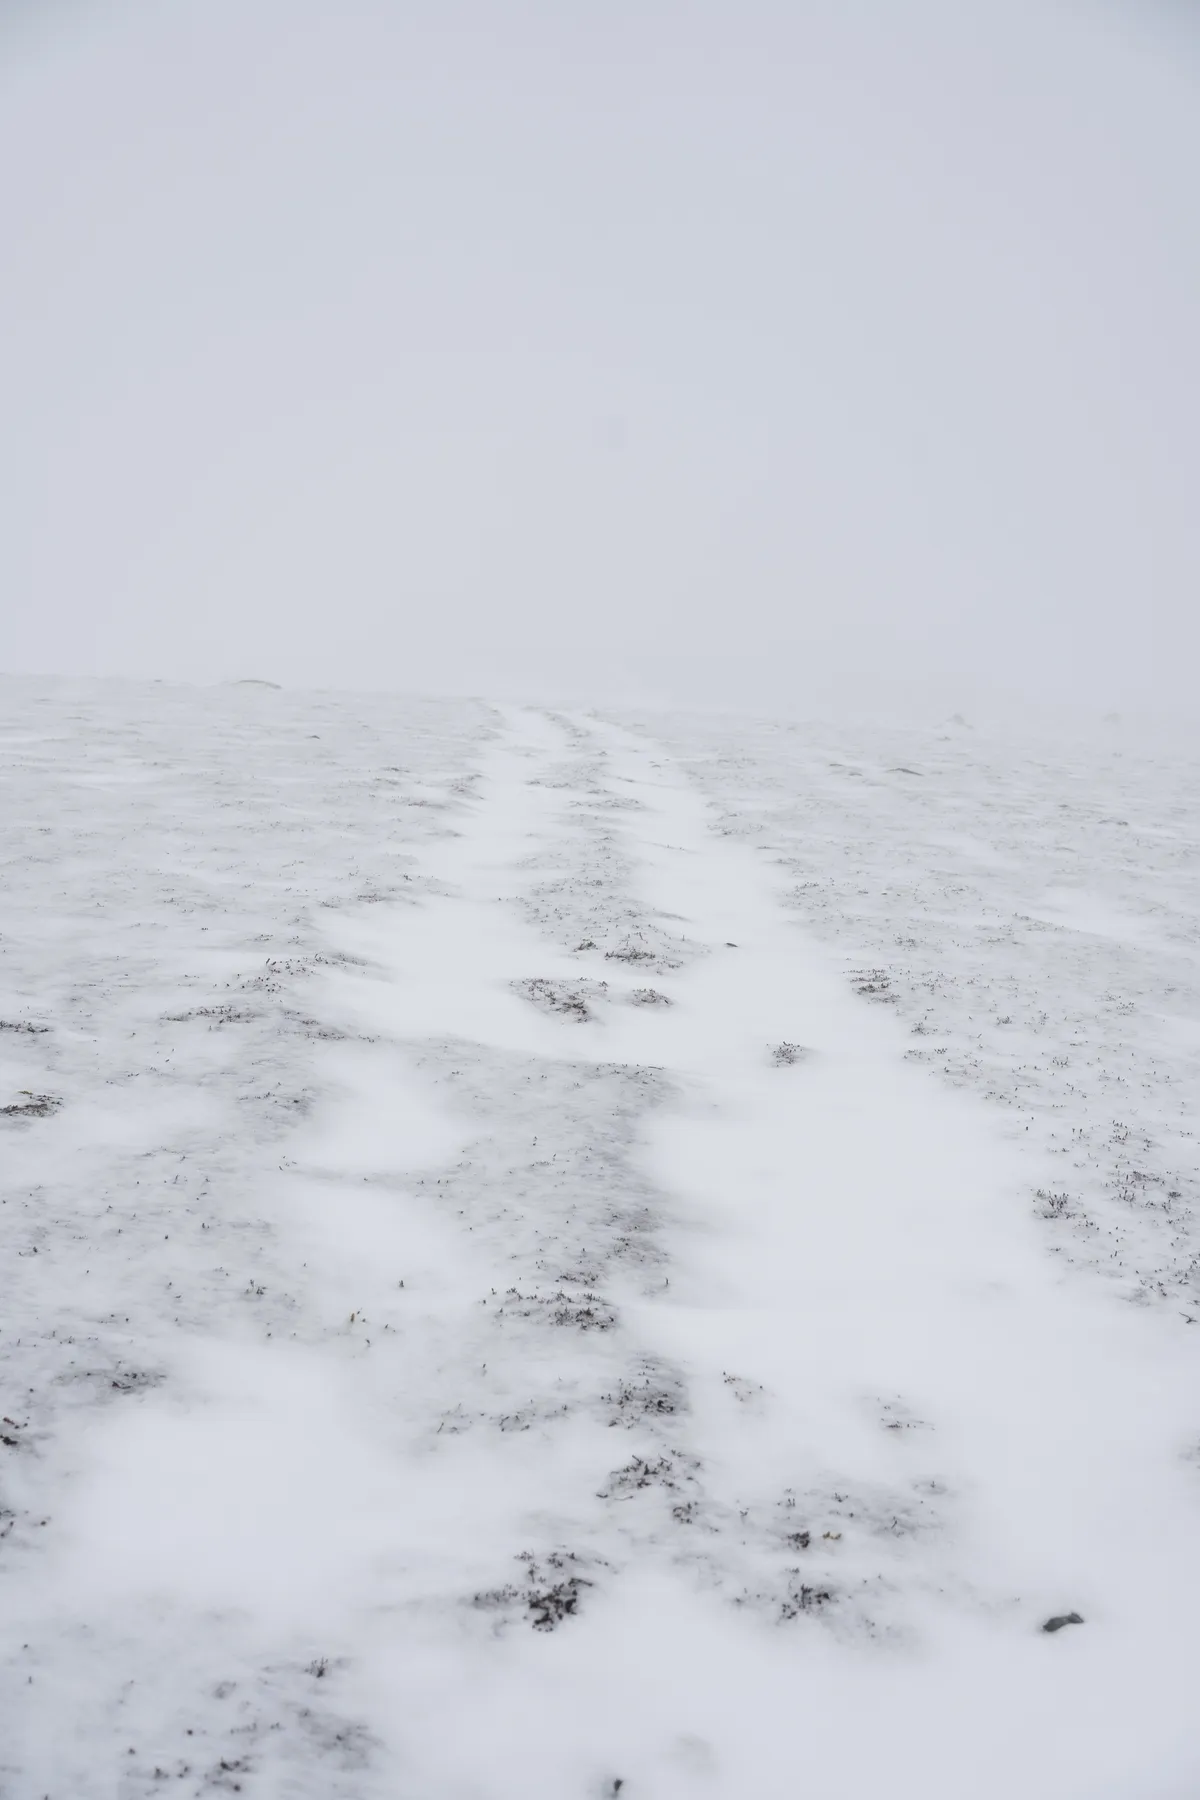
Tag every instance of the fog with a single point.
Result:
(774, 354)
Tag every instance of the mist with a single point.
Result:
(781, 355)
(600, 952)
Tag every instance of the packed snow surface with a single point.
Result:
(556, 1255)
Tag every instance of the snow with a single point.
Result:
(538, 1263)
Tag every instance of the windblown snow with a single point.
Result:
(555, 1255)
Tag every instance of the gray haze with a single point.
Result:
(757, 351)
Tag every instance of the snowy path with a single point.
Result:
(668, 1393)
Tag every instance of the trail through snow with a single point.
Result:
(673, 1396)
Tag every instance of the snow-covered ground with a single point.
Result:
(560, 1256)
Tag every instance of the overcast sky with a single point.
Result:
(706, 347)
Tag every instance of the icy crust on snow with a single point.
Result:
(1032, 913)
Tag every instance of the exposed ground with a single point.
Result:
(555, 1255)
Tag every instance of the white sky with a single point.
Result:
(743, 349)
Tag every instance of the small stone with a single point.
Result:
(1061, 1619)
